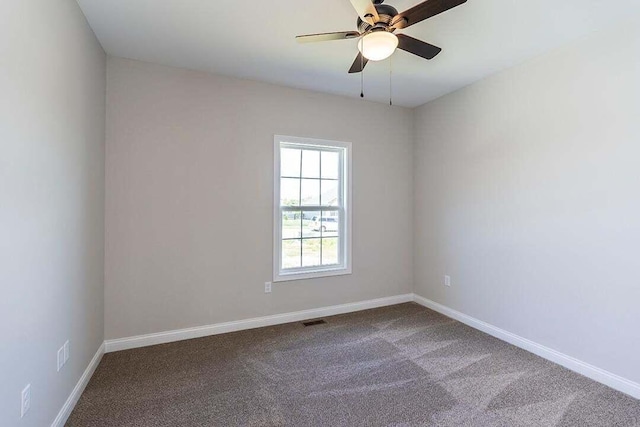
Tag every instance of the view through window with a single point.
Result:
(312, 208)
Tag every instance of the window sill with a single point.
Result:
(289, 277)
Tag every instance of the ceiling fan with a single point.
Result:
(376, 25)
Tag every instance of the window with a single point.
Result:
(312, 201)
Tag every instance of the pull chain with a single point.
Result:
(362, 70)
(390, 80)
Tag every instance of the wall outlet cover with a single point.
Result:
(447, 280)
(60, 358)
(267, 287)
(66, 351)
(26, 400)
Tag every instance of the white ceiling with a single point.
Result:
(255, 40)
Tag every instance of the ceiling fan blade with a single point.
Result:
(423, 11)
(417, 47)
(366, 10)
(359, 64)
(323, 37)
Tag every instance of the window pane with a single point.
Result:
(291, 225)
(329, 192)
(310, 164)
(330, 164)
(310, 192)
(290, 162)
(310, 223)
(289, 192)
(310, 252)
(312, 175)
(330, 251)
(330, 224)
(291, 253)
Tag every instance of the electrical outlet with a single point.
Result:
(60, 358)
(26, 400)
(447, 280)
(66, 351)
(267, 287)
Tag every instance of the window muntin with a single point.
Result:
(312, 223)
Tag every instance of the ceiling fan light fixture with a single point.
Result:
(378, 45)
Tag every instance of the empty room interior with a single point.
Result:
(320, 213)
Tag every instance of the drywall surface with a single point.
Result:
(189, 211)
(527, 195)
(52, 114)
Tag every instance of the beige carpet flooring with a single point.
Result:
(396, 366)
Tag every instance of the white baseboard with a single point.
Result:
(257, 322)
(600, 375)
(607, 378)
(68, 406)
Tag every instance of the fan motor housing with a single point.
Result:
(386, 14)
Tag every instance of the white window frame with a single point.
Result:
(282, 275)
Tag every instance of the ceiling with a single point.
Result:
(255, 40)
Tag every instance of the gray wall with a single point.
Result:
(189, 197)
(52, 112)
(527, 193)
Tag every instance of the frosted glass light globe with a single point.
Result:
(378, 45)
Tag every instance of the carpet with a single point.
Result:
(403, 365)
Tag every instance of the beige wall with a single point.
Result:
(527, 193)
(189, 197)
(52, 113)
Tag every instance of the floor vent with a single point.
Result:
(314, 322)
